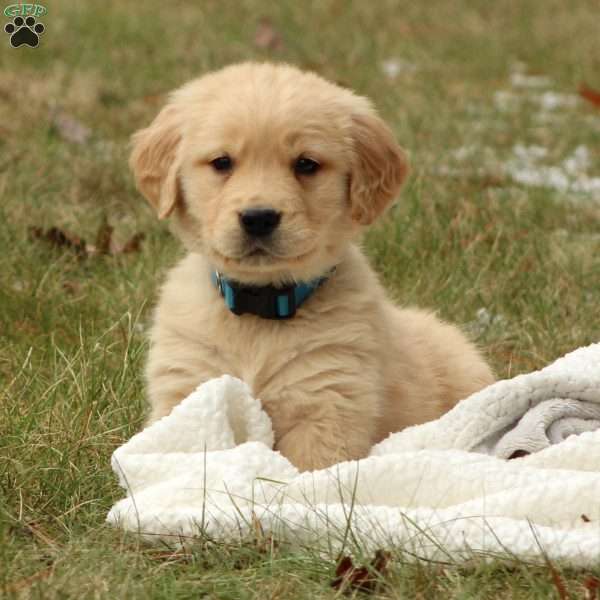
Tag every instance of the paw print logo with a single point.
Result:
(24, 31)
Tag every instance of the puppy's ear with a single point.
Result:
(155, 160)
(378, 169)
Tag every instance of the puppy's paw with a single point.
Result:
(309, 449)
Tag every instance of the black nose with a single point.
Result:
(259, 222)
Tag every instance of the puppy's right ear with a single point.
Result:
(155, 160)
(379, 168)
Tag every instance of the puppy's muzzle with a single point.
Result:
(259, 222)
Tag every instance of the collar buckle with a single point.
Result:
(218, 280)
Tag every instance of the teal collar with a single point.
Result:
(267, 302)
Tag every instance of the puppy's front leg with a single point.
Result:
(172, 377)
(315, 445)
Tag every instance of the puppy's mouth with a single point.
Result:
(263, 250)
(257, 250)
(259, 254)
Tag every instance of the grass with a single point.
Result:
(464, 237)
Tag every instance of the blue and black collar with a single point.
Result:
(267, 302)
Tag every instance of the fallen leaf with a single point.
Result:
(381, 561)
(590, 94)
(344, 567)
(60, 238)
(70, 129)
(104, 237)
(559, 583)
(266, 36)
(350, 577)
(592, 588)
(105, 243)
(132, 245)
(71, 287)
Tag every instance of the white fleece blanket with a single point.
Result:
(435, 491)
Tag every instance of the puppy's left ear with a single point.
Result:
(155, 160)
(378, 170)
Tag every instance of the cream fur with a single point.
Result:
(350, 367)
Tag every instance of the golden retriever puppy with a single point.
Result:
(269, 175)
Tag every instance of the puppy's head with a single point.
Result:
(267, 171)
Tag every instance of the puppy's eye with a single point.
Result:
(222, 163)
(306, 166)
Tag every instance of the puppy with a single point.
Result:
(269, 175)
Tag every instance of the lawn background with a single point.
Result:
(462, 239)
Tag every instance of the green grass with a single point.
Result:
(72, 332)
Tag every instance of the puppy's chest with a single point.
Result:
(260, 351)
(280, 359)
